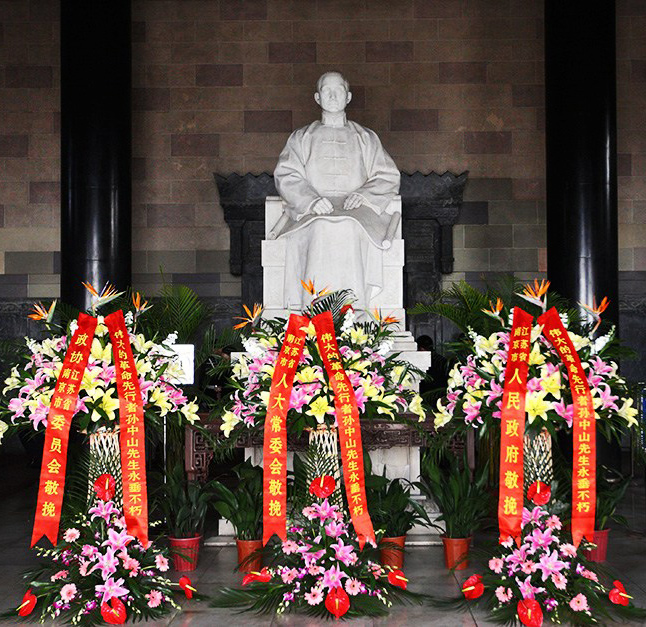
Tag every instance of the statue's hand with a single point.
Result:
(353, 201)
(322, 207)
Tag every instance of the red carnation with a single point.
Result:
(114, 612)
(530, 612)
(539, 493)
(105, 487)
(337, 602)
(323, 486)
(473, 587)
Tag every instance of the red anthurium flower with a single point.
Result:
(530, 612)
(262, 576)
(105, 487)
(185, 584)
(539, 493)
(337, 602)
(322, 486)
(473, 587)
(618, 594)
(346, 308)
(396, 578)
(28, 604)
(114, 612)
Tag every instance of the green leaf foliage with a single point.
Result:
(242, 506)
(461, 496)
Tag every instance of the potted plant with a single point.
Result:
(611, 488)
(184, 505)
(242, 507)
(462, 500)
(392, 511)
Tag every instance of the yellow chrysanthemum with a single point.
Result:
(358, 336)
(536, 406)
(158, 397)
(229, 421)
(308, 375)
(319, 407)
(442, 416)
(416, 407)
(99, 352)
(487, 344)
(190, 412)
(536, 358)
(628, 412)
(105, 400)
(552, 384)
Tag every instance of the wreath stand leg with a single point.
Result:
(537, 459)
(324, 441)
(105, 457)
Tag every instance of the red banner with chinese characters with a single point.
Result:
(131, 424)
(59, 419)
(584, 463)
(512, 427)
(274, 502)
(347, 415)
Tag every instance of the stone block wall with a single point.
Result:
(219, 84)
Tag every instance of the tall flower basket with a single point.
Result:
(537, 460)
(324, 440)
(105, 458)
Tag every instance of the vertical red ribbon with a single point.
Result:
(512, 427)
(584, 462)
(347, 415)
(275, 441)
(59, 419)
(132, 435)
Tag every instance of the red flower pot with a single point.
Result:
(185, 552)
(600, 538)
(391, 556)
(245, 549)
(456, 552)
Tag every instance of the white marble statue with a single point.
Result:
(337, 183)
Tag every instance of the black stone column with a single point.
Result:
(95, 146)
(581, 161)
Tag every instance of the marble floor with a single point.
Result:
(423, 565)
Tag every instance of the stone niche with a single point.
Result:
(430, 207)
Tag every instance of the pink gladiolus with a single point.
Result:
(353, 587)
(68, 592)
(314, 596)
(503, 594)
(580, 603)
(161, 563)
(496, 564)
(71, 535)
(155, 598)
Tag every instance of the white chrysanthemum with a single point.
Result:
(578, 341)
(455, 377)
(252, 347)
(348, 321)
(385, 347)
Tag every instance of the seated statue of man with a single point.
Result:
(337, 182)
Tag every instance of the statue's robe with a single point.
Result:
(342, 249)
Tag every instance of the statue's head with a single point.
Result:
(332, 92)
